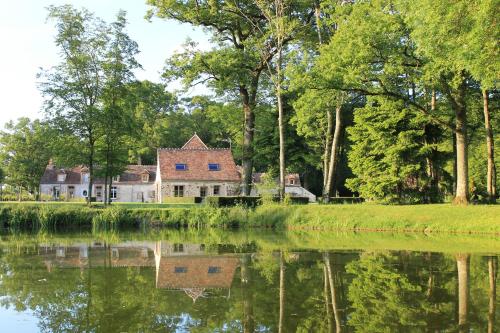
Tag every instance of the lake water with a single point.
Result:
(248, 281)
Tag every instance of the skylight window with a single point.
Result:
(213, 166)
(181, 166)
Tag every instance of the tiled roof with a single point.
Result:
(195, 143)
(197, 160)
(73, 175)
(132, 175)
(193, 272)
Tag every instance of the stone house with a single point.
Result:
(194, 170)
(135, 184)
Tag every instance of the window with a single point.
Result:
(114, 192)
(203, 191)
(71, 191)
(116, 179)
(178, 190)
(55, 192)
(85, 193)
(145, 178)
(213, 270)
(85, 177)
(140, 195)
(181, 167)
(178, 247)
(61, 177)
(98, 191)
(213, 166)
(292, 181)
(216, 189)
(180, 269)
(152, 194)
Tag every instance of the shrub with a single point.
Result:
(232, 201)
(188, 200)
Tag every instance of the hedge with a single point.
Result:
(232, 201)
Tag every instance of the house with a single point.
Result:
(195, 170)
(135, 184)
(293, 186)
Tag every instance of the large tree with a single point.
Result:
(73, 89)
(25, 150)
(241, 52)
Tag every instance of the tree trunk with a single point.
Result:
(492, 270)
(281, 128)
(327, 191)
(282, 294)
(328, 147)
(105, 191)
(462, 191)
(248, 136)
(463, 290)
(91, 172)
(248, 318)
(109, 193)
(491, 174)
(335, 308)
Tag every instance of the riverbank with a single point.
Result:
(361, 217)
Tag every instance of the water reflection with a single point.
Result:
(165, 286)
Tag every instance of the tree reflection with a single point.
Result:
(270, 291)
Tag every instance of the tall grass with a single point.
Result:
(415, 218)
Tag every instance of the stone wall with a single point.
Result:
(192, 189)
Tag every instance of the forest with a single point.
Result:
(393, 101)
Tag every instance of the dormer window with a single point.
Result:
(213, 166)
(85, 177)
(116, 179)
(145, 178)
(181, 167)
(61, 177)
(292, 181)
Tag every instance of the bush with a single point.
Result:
(250, 202)
(344, 200)
(185, 200)
(296, 200)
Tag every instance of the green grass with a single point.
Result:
(366, 217)
(371, 217)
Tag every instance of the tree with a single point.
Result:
(25, 150)
(74, 87)
(242, 51)
(116, 118)
(2, 179)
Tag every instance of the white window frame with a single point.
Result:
(61, 177)
(178, 191)
(145, 178)
(113, 193)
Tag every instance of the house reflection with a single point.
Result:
(179, 266)
(186, 267)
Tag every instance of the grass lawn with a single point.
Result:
(421, 218)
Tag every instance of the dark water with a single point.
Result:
(240, 282)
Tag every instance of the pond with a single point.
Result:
(247, 281)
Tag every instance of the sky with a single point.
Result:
(27, 44)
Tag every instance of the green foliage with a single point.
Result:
(388, 152)
(25, 150)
